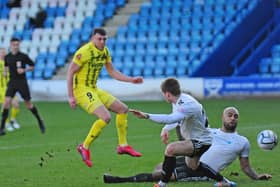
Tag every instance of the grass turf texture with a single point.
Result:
(31, 159)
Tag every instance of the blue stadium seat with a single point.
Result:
(149, 61)
(130, 49)
(142, 37)
(159, 72)
(275, 51)
(170, 71)
(37, 74)
(127, 71)
(147, 72)
(151, 48)
(180, 72)
(140, 48)
(265, 65)
(145, 10)
(131, 37)
(49, 22)
(29, 75)
(161, 48)
(172, 48)
(40, 65)
(138, 58)
(51, 11)
(18, 34)
(104, 73)
(60, 11)
(128, 59)
(5, 13)
(152, 36)
(60, 61)
(118, 65)
(136, 72)
(48, 73)
(171, 61)
(275, 68)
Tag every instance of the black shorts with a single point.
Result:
(199, 148)
(184, 173)
(20, 86)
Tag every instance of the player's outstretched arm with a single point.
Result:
(114, 73)
(250, 172)
(139, 114)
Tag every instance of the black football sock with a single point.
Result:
(5, 114)
(205, 170)
(142, 177)
(168, 168)
(35, 113)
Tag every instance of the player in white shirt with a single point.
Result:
(190, 115)
(227, 143)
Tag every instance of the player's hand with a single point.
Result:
(164, 136)
(137, 80)
(264, 176)
(139, 114)
(72, 102)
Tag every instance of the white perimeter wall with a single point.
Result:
(56, 90)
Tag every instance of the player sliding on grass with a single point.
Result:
(189, 113)
(82, 90)
(227, 145)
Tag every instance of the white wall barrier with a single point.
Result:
(56, 90)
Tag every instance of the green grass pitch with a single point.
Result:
(30, 159)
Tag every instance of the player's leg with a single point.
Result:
(121, 110)
(14, 113)
(5, 113)
(25, 94)
(193, 161)
(8, 126)
(204, 169)
(9, 94)
(89, 101)
(178, 148)
(104, 118)
(141, 177)
(33, 109)
(183, 172)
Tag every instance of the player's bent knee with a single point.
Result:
(107, 119)
(192, 166)
(169, 151)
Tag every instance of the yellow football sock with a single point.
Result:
(7, 121)
(121, 123)
(14, 112)
(95, 130)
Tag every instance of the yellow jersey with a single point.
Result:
(91, 60)
(3, 80)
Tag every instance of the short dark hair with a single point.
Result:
(171, 85)
(14, 39)
(100, 31)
